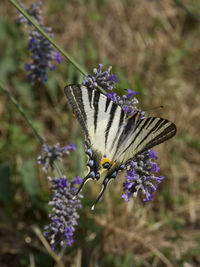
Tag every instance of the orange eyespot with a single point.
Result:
(106, 163)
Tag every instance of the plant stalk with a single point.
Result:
(20, 109)
(29, 122)
(60, 49)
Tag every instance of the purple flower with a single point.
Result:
(68, 148)
(139, 177)
(152, 154)
(64, 214)
(112, 96)
(78, 180)
(130, 93)
(155, 167)
(53, 153)
(33, 11)
(112, 78)
(42, 53)
(69, 235)
(105, 79)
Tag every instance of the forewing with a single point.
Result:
(142, 135)
(100, 118)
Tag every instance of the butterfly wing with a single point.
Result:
(108, 129)
(99, 117)
(111, 134)
(139, 135)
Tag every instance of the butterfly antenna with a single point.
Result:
(154, 108)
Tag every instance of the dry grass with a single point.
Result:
(152, 41)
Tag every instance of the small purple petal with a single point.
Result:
(125, 197)
(70, 241)
(57, 57)
(153, 154)
(131, 93)
(68, 231)
(71, 147)
(62, 182)
(78, 180)
(112, 96)
(27, 66)
(155, 167)
(112, 78)
(51, 66)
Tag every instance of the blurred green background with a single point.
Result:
(153, 47)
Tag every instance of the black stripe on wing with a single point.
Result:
(96, 107)
(121, 121)
(155, 128)
(152, 132)
(110, 121)
(74, 95)
(164, 135)
(128, 128)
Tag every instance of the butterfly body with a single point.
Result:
(113, 139)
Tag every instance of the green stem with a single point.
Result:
(20, 109)
(58, 169)
(62, 51)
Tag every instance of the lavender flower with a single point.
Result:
(33, 11)
(140, 177)
(42, 53)
(64, 214)
(105, 79)
(127, 102)
(141, 171)
(53, 153)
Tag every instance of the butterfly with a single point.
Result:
(113, 138)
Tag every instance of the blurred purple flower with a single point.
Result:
(42, 52)
(64, 214)
(53, 153)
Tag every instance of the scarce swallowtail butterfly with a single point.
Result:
(113, 139)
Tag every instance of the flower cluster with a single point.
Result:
(140, 176)
(42, 52)
(64, 207)
(33, 11)
(53, 153)
(64, 214)
(140, 171)
(105, 79)
(127, 102)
